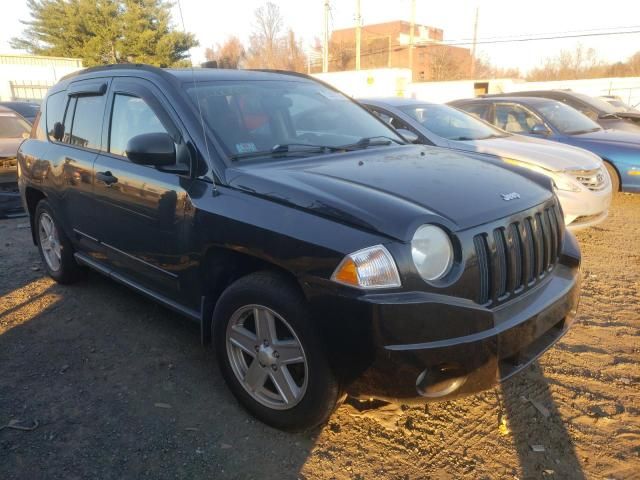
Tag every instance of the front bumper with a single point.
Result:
(417, 336)
(585, 208)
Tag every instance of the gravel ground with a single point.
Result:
(120, 388)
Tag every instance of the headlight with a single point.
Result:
(371, 267)
(432, 252)
(564, 182)
(560, 180)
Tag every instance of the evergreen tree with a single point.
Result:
(105, 31)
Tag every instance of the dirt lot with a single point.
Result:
(121, 388)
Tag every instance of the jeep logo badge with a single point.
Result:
(510, 196)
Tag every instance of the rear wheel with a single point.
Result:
(270, 355)
(54, 246)
(615, 179)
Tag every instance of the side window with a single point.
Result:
(131, 116)
(479, 110)
(86, 129)
(515, 119)
(55, 110)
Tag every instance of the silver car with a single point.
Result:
(581, 179)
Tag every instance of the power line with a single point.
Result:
(399, 47)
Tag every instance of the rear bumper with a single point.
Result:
(464, 348)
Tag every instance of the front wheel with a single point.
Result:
(269, 354)
(615, 179)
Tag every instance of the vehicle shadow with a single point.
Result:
(544, 446)
(121, 388)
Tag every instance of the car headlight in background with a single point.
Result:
(371, 267)
(561, 181)
(432, 252)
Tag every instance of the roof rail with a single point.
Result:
(114, 66)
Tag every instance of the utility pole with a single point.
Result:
(325, 38)
(411, 35)
(358, 33)
(473, 48)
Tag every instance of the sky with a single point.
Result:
(213, 21)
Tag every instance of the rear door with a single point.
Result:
(74, 153)
(142, 209)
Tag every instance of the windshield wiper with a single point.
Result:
(580, 132)
(365, 142)
(282, 150)
(606, 116)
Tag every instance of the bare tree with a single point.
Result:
(442, 66)
(230, 53)
(569, 65)
(270, 46)
(265, 39)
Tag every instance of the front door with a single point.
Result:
(142, 209)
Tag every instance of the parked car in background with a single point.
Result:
(28, 110)
(601, 112)
(580, 177)
(553, 120)
(13, 130)
(318, 250)
(620, 106)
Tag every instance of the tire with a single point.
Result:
(54, 246)
(615, 178)
(269, 299)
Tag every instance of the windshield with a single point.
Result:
(566, 119)
(597, 103)
(12, 126)
(251, 117)
(450, 123)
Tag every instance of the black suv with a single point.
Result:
(319, 251)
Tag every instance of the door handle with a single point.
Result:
(106, 177)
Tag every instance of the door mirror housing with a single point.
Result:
(156, 149)
(408, 135)
(540, 129)
(58, 131)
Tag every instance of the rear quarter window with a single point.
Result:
(56, 104)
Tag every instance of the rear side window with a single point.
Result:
(86, 130)
(478, 109)
(56, 104)
(131, 116)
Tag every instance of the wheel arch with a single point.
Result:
(613, 165)
(32, 197)
(220, 268)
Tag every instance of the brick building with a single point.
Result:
(386, 45)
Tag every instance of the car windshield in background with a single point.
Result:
(597, 103)
(271, 118)
(567, 119)
(451, 123)
(12, 126)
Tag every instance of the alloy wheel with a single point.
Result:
(49, 241)
(267, 357)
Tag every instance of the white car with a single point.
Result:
(581, 179)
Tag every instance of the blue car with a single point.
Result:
(552, 120)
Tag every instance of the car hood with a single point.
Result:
(392, 190)
(610, 136)
(9, 147)
(543, 153)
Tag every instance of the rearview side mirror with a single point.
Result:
(408, 135)
(540, 129)
(156, 149)
(58, 131)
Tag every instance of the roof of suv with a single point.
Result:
(187, 74)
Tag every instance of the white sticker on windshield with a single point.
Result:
(246, 147)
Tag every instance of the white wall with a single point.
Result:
(35, 71)
(383, 82)
(395, 82)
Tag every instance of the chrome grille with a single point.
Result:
(594, 180)
(514, 257)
